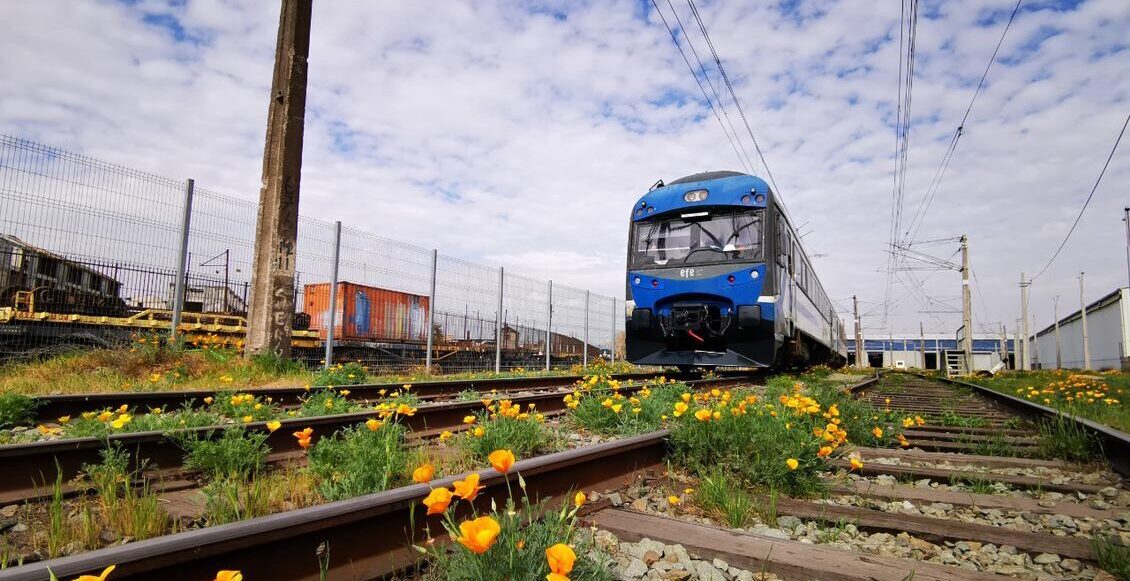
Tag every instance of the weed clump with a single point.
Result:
(360, 460)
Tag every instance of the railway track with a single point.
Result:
(934, 510)
(51, 407)
(937, 509)
(28, 467)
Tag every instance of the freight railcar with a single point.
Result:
(33, 276)
(717, 277)
(367, 313)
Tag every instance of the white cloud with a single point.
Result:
(499, 132)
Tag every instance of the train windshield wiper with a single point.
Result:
(693, 250)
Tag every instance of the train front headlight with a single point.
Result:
(695, 196)
(629, 306)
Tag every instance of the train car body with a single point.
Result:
(717, 278)
(367, 313)
(32, 275)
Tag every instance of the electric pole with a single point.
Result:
(966, 306)
(860, 353)
(1058, 351)
(922, 344)
(1126, 218)
(1083, 313)
(1023, 328)
(271, 312)
(1004, 345)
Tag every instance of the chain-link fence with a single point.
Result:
(89, 254)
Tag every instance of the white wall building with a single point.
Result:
(1108, 332)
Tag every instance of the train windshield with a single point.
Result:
(697, 240)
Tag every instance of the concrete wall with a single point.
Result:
(1108, 325)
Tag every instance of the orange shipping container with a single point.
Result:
(367, 313)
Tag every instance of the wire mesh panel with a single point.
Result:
(81, 237)
(89, 253)
(524, 320)
(568, 325)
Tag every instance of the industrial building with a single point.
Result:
(1061, 344)
(929, 352)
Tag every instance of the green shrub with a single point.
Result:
(360, 460)
(604, 410)
(758, 441)
(519, 551)
(236, 454)
(326, 402)
(341, 374)
(524, 436)
(16, 410)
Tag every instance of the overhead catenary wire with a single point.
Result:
(908, 26)
(1087, 202)
(935, 184)
(721, 105)
(733, 94)
(675, 39)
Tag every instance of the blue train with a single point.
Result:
(718, 278)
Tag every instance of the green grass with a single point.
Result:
(720, 493)
(16, 410)
(1100, 396)
(1064, 439)
(1112, 557)
(359, 460)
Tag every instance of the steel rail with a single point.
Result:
(29, 467)
(367, 537)
(51, 407)
(1115, 444)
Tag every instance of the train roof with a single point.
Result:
(725, 188)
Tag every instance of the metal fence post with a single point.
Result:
(585, 357)
(548, 323)
(498, 323)
(182, 258)
(612, 351)
(332, 310)
(431, 313)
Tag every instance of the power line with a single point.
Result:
(733, 95)
(675, 39)
(908, 26)
(1088, 201)
(936, 182)
(721, 105)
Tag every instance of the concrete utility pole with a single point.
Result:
(860, 352)
(1058, 352)
(1023, 327)
(922, 344)
(1004, 345)
(1126, 218)
(1083, 314)
(271, 312)
(966, 306)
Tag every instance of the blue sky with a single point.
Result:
(519, 133)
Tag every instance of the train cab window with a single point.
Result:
(702, 240)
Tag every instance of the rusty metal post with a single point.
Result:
(271, 312)
(182, 259)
